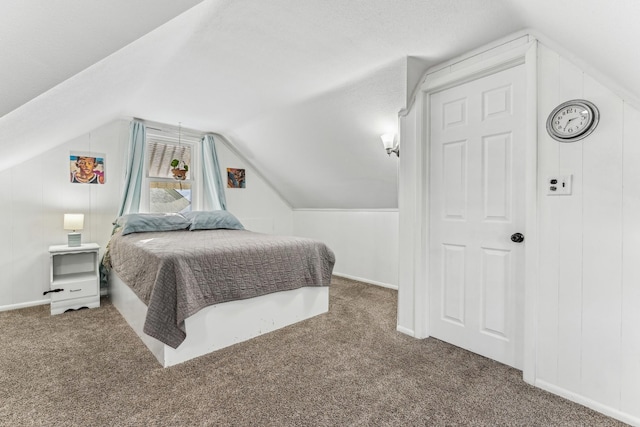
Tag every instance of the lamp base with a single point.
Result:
(74, 239)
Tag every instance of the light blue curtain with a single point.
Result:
(135, 162)
(213, 188)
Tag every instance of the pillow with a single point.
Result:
(144, 222)
(212, 220)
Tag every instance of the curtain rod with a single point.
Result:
(167, 128)
(174, 132)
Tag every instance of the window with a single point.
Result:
(170, 167)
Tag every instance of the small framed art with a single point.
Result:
(86, 168)
(236, 178)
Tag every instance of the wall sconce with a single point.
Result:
(390, 143)
(74, 222)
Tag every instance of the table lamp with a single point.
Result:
(74, 222)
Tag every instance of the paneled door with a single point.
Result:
(476, 209)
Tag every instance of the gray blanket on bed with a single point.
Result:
(177, 273)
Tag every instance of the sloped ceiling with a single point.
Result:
(45, 42)
(303, 88)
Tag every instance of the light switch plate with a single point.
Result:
(559, 185)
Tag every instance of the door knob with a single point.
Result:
(517, 237)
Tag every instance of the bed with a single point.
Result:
(193, 287)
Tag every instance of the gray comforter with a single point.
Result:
(177, 273)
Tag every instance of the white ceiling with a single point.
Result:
(303, 88)
(45, 42)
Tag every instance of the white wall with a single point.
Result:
(258, 206)
(410, 221)
(365, 242)
(37, 193)
(586, 296)
(35, 196)
(589, 291)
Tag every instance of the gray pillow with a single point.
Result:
(212, 220)
(145, 222)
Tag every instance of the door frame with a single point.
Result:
(502, 57)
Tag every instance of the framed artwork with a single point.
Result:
(236, 178)
(86, 168)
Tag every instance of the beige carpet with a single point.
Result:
(347, 367)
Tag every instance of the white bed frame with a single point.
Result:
(222, 325)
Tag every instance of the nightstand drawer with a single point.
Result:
(79, 289)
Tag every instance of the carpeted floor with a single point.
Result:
(347, 367)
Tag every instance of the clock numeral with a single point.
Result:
(572, 120)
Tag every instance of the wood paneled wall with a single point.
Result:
(588, 302)
(364, 241)
(37, 193)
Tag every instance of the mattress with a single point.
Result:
(177, 273)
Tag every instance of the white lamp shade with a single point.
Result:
(73, 221)
(388, 140)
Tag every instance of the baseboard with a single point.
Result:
(405, 331)
(24, 305)
(589, 403)
(371, 282)
(345, 210)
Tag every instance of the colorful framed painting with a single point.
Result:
(236, 178)
(86, 168)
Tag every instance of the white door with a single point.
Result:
(476, 202)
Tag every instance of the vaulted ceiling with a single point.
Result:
(303, 88)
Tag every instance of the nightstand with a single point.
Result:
(74, 277)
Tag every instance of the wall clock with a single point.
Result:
(573, 120)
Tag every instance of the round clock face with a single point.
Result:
(572, 120)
